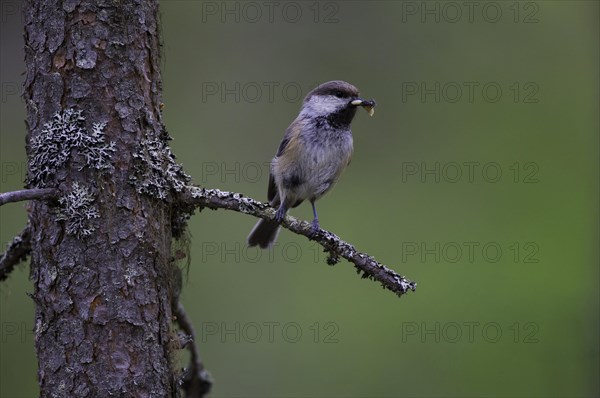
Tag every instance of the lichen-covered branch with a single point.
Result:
(17, 251)
(336, 247)
(27, 194)
(365, 264)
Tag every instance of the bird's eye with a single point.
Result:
(339, 94)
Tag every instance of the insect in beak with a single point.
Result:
(368, 105)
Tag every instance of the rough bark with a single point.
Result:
(101, 258)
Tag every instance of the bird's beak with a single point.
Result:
(368, 105)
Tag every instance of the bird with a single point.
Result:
(315, 150)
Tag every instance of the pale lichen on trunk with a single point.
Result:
(102, 267)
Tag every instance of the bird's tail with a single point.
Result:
(263, 234)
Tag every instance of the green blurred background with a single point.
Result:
(506, 265)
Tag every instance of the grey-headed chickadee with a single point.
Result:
(314, 152)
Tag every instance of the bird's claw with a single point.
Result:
(280, 214)
(314, 227)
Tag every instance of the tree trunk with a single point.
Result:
(103, 273)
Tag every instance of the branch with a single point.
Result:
(196, 380)
(16, 252)
(27, 194)
(370, 268)
(20, 246)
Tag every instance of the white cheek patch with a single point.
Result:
(321, 105)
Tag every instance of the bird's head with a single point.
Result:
(335, 100)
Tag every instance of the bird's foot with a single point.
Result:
(314, 227)
(280, 214)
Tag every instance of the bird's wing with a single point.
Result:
(291, 143)
(272, 190)
(283, 143)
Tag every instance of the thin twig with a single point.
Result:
(17, 251)
(197, 382)
(27, 194)
(370, 268)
